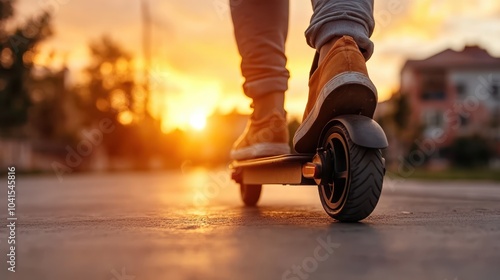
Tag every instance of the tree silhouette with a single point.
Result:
(110, 82)
(16, 52)
(108, 93)
(6, 10)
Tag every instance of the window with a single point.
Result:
(461, 90)
(433, 124)
(433, 95)
(433, 85)
(495, 91)
(464, 121)
(433, 118)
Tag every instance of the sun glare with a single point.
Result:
(198, 121)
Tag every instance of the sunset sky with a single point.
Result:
(195, 67)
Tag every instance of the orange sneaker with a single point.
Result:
(339, 86)
(261, 138)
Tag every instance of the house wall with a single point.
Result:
(479, 101)
(469, 106)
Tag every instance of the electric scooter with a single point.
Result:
(348, 169)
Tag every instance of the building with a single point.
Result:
(454, 94)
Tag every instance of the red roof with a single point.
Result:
(470, 56)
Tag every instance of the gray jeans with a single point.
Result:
(261, 26)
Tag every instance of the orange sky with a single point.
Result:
(195, 60)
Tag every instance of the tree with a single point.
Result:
(6, 10)
(16, 53)
(402, 112)
(109, 94)
(110, 82)
(54, 115)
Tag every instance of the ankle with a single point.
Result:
(269, 104)
(323, 51)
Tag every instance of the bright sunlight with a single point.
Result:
(198, 121)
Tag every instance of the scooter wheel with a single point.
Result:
(250, 194)
(354, 175)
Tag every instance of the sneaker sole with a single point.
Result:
(260, 150)
(346, 93)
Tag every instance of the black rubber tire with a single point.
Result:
(365, 171)
(250, 194)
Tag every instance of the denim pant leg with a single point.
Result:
(335, 18)
(260, 28)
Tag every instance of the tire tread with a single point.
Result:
(366, 179)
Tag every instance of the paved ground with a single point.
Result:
(191, 225)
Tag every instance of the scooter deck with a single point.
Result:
(282, 169)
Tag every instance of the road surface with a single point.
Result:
(190, 224)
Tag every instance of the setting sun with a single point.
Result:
(198, 121)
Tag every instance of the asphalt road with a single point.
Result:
(191, 225)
